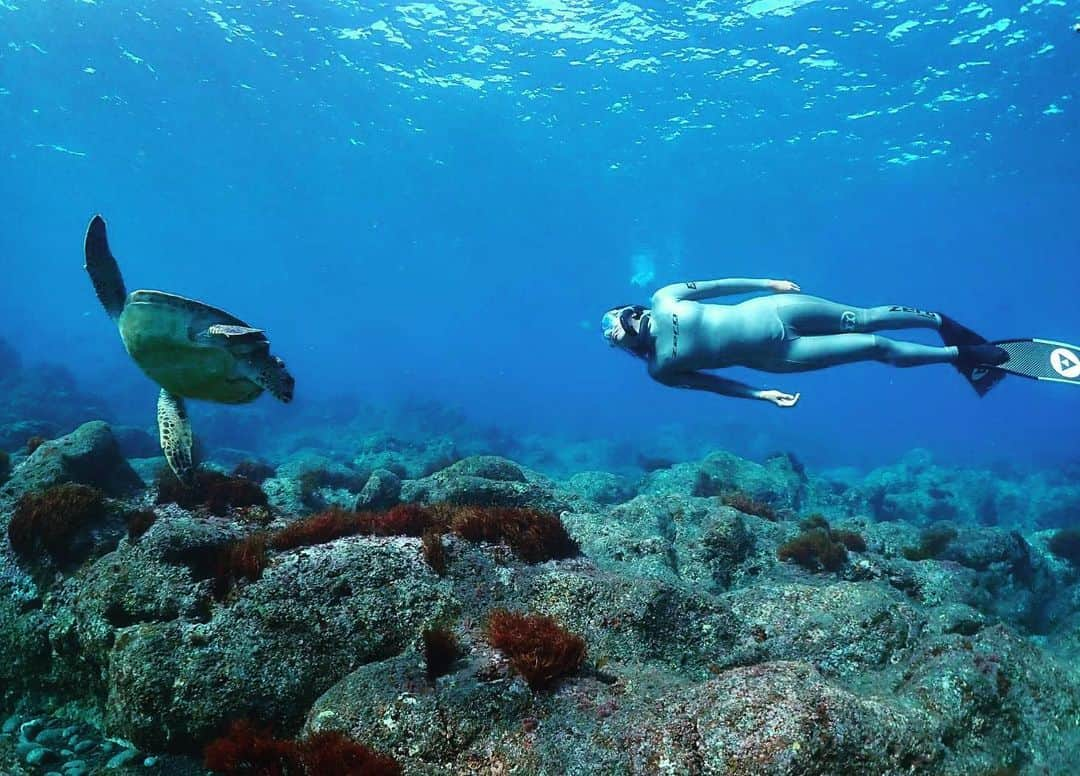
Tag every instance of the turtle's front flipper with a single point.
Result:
(227, 332)
(175, 430)
(103, 270)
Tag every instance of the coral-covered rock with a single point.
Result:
(380, 492)
(313, 617)
(778, 482)
(484, 480)
(842, 628)
(703, 652)
(601, 487)
(409, 459)
(780, 718)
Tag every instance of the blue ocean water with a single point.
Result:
(439, 200)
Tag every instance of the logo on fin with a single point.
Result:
(1065, 363)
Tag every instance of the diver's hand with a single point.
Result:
(784, 286)
(779, 398)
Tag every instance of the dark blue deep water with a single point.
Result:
(439, 200)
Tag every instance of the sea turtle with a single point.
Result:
(190, 349)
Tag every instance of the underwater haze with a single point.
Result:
(480, 540)
(438, 201)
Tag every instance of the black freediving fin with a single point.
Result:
(981, 376)
(1040, 359)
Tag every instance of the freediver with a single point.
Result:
(787, 331)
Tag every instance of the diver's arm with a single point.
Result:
(706, 289)
(704, 381)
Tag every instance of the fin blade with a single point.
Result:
(1040, 359)
(103, 269)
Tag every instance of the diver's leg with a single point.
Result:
(811, 315)
(808, 353)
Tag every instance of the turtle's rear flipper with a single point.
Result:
(103, 270)
(174, 429)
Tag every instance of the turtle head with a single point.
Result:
(275, 377)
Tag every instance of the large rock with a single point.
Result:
(780, 481)
(166, 665)
(380, 492)
(484, 480)
(88, 455)
(601, 487)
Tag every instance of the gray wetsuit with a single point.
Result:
(777, 333)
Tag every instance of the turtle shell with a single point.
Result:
(162, 334)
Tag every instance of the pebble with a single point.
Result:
(11, 723)
(80, 771)
(25, 747)
(54, 773)
(72, 765)
(28, 730)
(107, 746)
(70, 731)
(41, 756)
(122, 758)
(150, 762)
(83, 746)
(51, 737)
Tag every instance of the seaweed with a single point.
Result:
(820, 547)
(932, 543)
(331, 753)
(814, 550)
(246, 750)
(334, 523)
(48, 521)
(743, 502)
(433, 550)
(539, 648)
(853, 540)
(139, 522)
(1065, 543)
(33, 443)
(213, 490)
(533, 535)
(405, 520)
(242, 559)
